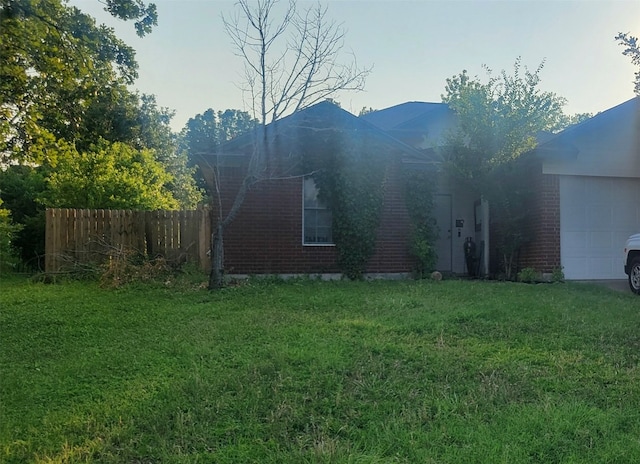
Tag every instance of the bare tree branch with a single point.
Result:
(295, 60)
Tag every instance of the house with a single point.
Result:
(458, 213)
(272, 232)
(586, 179)
(588, 202)
(283, 227)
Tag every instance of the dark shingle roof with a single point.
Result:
(321, 117)
(402, 114)
(563, 143)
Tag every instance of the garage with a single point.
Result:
(597, 214)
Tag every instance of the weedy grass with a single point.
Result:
(307, 371)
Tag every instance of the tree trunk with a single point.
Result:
(216, 278)
(507, 259)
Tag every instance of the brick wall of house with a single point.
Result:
(266, 236)
(392, 242)
(543, 253)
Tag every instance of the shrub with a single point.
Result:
(130, 267)
(8, 255)
(557, 275)
(419, 199)
(528, 274)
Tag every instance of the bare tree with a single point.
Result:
(291, 61)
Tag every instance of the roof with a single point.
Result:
(321, 116)
(564, 144)
(401, 115)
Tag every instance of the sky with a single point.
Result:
(188, 61)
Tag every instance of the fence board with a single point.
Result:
(90, 236)
(49, 244)
(95, 236)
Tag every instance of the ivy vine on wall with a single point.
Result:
(349, 173)
(419, 198)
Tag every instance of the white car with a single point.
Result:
(632, 262)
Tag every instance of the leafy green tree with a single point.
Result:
(62, 76)
(8, 230)
(632, 49)
(498, 121)
(573, 119)
(144, 14)
(138, 121)
(366, 110)
(501, 118)
(54, 61)
(22, 189)
(151, 129)
(111, 176)
(205, 132)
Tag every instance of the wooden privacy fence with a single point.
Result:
(91, 236)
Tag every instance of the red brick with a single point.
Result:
(266, 235)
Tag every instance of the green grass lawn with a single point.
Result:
(429, 372)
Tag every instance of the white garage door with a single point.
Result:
(597, 215)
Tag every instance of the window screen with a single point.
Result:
(317, 217)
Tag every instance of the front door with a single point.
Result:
(442, 215)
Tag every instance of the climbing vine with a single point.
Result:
(349, 174)
(418, 194)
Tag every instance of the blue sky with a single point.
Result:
(413, 46)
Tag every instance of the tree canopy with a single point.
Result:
(498, 121)
(55, 62)
(63, 82)
(206, 131)
(110, 175)
(145, 15)
(632, 49)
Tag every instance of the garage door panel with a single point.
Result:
(596, 217)
(601, 266)
(576, 239)
(576, 216)
(576, 267)
(624, 216)
(599, 217)
(585, 268)
(620, 238)
(595, 196)
(600, 241)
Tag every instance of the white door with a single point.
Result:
(597, 214)
(442, 215)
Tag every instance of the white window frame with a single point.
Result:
(320, 207)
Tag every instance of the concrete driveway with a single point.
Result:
(619, 285)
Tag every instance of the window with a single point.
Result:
(316, 219)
